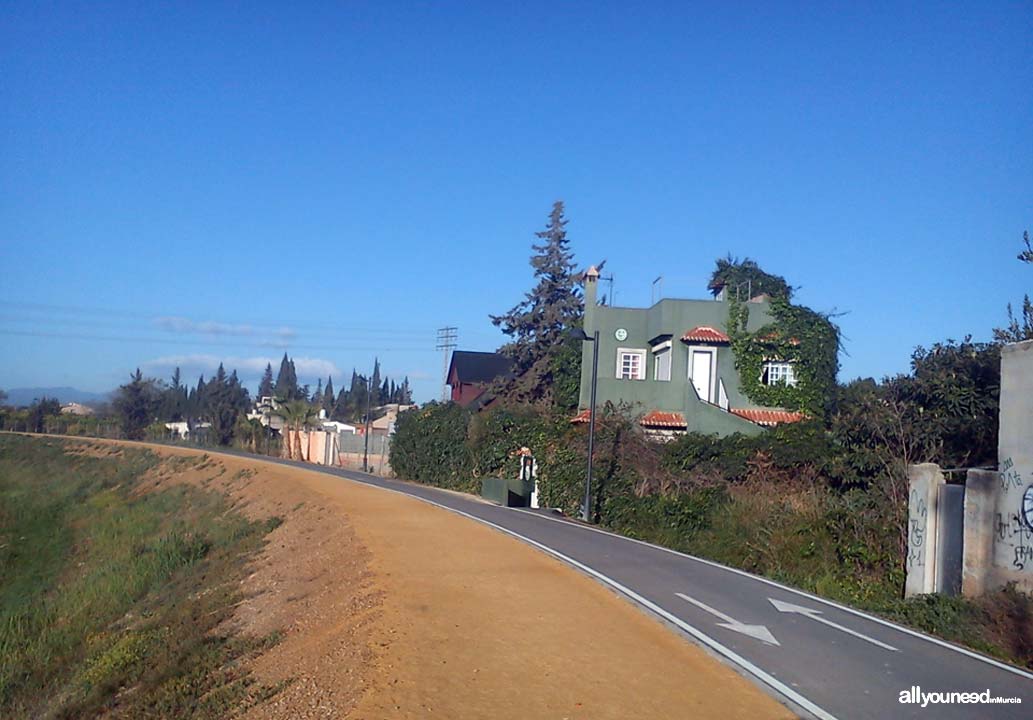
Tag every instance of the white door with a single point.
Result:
(700, 369)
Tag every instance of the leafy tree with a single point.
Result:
(136, 404)
(1019, 328)
(220, 401)
(539, 323)
(733, 273)
(39, 411)
(265, 387)
(174, 400)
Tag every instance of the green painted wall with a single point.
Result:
(674, 318)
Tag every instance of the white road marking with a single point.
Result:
(757, 632)
(816, 615)
(796, 591)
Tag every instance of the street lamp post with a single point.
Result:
(586, 512)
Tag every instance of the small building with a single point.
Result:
(471, 373)
(673, 363)
(74, 408)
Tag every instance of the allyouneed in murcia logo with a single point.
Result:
(914, 695)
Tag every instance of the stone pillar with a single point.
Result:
(924, 482)
(980, 501)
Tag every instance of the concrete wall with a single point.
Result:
(997, 543)
(1013, 538)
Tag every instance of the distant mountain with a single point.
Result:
(25, 396)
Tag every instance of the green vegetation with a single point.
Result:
(798, 335)
(113, 601)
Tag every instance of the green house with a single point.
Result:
(672, 363)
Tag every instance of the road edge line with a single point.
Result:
(727, 653)
(773, 583)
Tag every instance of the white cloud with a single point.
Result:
(186, 326)
(247, 367)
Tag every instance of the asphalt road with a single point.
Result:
(822, 659)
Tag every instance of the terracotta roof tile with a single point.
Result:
(581, 417)
(768, 417)
(705, 333)
(659, 418)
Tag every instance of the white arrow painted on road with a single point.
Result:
(814, 615)
(757, 632)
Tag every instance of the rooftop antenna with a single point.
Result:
(610, 296)
(656, 292)
(749, 290)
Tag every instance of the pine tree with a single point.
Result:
(317, 396)
(539, 324)
(265, 387)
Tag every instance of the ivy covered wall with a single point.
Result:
(798, 335)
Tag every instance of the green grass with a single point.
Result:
(112, 600)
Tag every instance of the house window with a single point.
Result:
(631, 364)
(778, 373)
(662, 363)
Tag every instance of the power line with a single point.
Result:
(207, 342)
(447, 337)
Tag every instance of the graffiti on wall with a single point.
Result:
(1010, 477)
(917, 519)
(1016, 535)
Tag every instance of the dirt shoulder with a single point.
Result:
(391, 608)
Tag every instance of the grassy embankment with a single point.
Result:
(112, 600)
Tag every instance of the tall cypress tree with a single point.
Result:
(286, 387)
(265, 387)
(329, 399)
(374, 387)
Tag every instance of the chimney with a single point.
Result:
(591, 280)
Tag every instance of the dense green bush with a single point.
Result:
(429, 446)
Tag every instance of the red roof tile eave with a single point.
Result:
(705, 334)
(768, 418)
(662, 419)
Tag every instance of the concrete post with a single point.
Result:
(980, 501)
(924, 482)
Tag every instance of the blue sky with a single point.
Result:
(188, 183)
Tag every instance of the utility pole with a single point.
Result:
(365, 451)
(447, 337)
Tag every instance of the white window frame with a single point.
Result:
(785, 372)
(637, 352)
(713, 370)
(658, 350)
